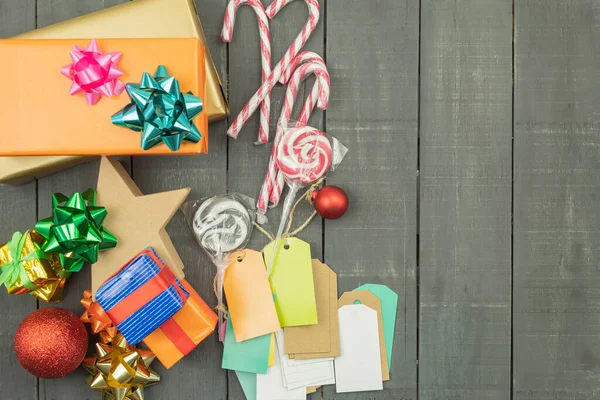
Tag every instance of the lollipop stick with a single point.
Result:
(287, 208)
(221, 266)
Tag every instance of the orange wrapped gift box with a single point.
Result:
(40, 117)
(184, 331)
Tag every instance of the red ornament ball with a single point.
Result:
(51, 342)
(331, 202)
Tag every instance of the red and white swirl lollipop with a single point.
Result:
(304, 155)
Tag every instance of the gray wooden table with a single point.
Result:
(473, 174)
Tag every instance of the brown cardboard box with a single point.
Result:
(139, 18)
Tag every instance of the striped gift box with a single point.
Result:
(141, 296)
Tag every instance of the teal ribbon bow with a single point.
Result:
(160, 111)
(15, 269)
(75, 230)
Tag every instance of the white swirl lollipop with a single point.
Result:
(222, 225)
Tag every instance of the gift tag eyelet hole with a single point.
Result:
(286, 246)
(357, 302)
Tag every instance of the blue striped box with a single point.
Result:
(132, 280)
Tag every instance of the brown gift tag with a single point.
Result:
(321, 340)
(370, 300)
(312, 389)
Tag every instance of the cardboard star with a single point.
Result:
(137, 220)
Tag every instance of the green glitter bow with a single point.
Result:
(160, 111)
(75, 230)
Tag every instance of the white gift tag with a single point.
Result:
(358, 368)
(303, 373)
(271, 387)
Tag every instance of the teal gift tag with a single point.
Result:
(389, 306)
(248, 356)
(248, 382)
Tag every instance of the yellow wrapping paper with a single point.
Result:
(139, 18)
(42, 273)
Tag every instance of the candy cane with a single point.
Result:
(319, 95)
(292, 51)
(301, 58)
(273, 183)
(265, 51)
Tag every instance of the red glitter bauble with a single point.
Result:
(51, 342)
(331, 202)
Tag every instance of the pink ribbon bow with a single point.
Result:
(94, 73)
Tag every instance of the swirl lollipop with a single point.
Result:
(222, 225)
(303, 156)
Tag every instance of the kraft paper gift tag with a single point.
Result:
(389, 306)
(248, 384)
(292, 283)
(249, 298)
(370, 300)
(312, 389)
(358, 367)
(270, 386)
(321, 340)
(248, 356)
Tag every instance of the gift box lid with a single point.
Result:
(141, 296)
(36, 102)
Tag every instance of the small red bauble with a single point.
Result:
(51, 342)
(331, 202)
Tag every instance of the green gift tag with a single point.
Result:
(248, 383)
(292, 283)
(251, 355)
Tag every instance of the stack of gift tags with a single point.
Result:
(288, 333)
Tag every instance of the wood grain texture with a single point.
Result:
(372, 55)
(465, 200)
(557, 184)
(198, 375)
(52, 11)
(247, 162)
(18, 213)
(16, 16)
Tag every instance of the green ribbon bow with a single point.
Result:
(75, 230)
(15, 269)
(160, 111)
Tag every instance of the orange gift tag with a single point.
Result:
(40, 117)
(249, 298)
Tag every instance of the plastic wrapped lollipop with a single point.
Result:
(304, 155)
(222, 225)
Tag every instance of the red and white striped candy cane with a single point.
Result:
(301, 58)
(273, 183)
(265, 52)
(313, 17)
(319, 95)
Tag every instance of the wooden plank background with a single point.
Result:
(443, 104)
(465, 199)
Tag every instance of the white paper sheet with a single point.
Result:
(270, 386)
(358, 368)
(303, 373)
